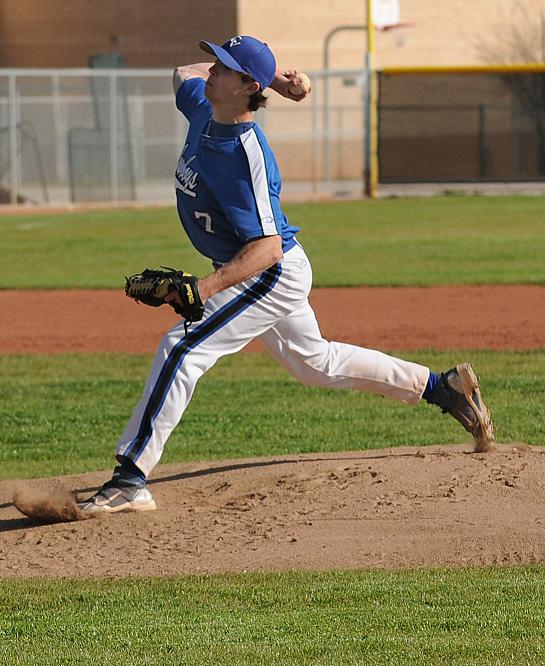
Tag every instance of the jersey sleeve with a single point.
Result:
(190, 98)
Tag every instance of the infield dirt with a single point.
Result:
(393, 508)
(398, 508)
(481, 317)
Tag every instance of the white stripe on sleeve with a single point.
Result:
(258, 173)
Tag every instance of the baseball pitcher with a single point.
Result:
(228, 198)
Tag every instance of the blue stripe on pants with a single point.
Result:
(172, 364)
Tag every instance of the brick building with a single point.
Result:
(163, 33)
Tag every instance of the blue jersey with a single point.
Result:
(227, 182)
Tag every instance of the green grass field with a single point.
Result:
(460, 617)
(63, 414)
(442, 240)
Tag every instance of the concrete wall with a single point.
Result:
(296, 31)
(157, 33)
(457, 32)
(461, 32)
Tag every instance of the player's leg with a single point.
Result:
(296, 342)
(232, 318)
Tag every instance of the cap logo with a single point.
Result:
(235, 41)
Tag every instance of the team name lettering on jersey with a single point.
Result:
(186, 177)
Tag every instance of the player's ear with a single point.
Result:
(252, 88)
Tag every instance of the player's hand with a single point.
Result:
(299, 84)
(292, 84)
(173, 298)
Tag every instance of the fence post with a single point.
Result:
(58, 129)
(340, 170)
(515, 144)
(12, 124)
(314, 145)
(325, 67)
(482, 140)
(113, 137)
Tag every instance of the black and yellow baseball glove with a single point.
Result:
(152, 286)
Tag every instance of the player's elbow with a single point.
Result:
(275, 247)
(266, 251)
(179, 75)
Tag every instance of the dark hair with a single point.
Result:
(258, 99)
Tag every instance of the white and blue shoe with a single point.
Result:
(114, 498)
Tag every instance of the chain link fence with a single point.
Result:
(462, 126)
(114, 135)
(78, 135)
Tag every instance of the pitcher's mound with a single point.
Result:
(406, 507)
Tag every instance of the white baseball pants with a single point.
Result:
(273, 307)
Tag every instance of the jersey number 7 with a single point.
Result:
(206, 220)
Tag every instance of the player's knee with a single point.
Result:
(316, 370)
(322, 360)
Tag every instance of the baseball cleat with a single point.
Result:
(113, 499)
(458, 394)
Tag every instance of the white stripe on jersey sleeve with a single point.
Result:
(258, 173)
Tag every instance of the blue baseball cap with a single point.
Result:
(246, 55)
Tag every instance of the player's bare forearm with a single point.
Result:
(255, 257)
(198, 70)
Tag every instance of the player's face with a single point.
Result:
(224, 84)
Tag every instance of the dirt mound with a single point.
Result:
(394, 508)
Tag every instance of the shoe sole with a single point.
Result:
(470, 385)
(129, 507)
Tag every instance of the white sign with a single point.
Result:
(385, 13)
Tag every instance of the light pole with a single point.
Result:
(370, 171)
(543, 36)
(370, 168)
(325, 67)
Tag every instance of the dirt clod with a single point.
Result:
(47, 502)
